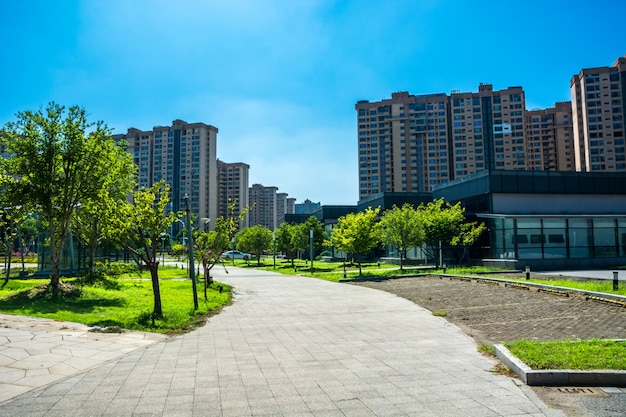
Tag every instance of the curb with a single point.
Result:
(553, 377)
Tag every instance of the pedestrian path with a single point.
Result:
(292, 346)
(35, 352)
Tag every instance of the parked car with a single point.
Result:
(235, 254)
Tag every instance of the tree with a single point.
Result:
(137, 227)
(319, 234)
(210, 245)
(61, 160)
(256, 240)
(442, 223)
(357, 233)
(87, 221)
(27, 234)
(10, 220)
(469, 233)
(401, 227)
(285, 241)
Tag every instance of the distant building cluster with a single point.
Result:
(184, 156)
(412, 143)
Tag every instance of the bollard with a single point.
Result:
(615, 281)
(527, 272)
(444, 268)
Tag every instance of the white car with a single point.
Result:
(235, 254)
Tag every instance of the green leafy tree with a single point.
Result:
(61, 160)
(468, 235)
(442, 222)
(285, 241)
(27, 234)
(255, 240)
(137, 227)
(88, 219)
(301, 237)
(401, 228)
(10, 220)
(357, 233)
(209, 246)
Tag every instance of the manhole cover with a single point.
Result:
(582, 390)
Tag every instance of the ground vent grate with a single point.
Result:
(583, 391)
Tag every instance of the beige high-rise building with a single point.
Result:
(598, 103)
(232, 188)
(550, 139)
(184, 155)
(412, 143)
(403, 143)
(284, 205)
(263, 206)
(487, 130)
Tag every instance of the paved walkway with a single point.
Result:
(293, 346)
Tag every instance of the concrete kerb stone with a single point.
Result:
(553, 377)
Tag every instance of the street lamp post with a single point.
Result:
(232, 241)
(184, 227)
(311, 248)
(163, 234)
(205, 221)
(192, 272)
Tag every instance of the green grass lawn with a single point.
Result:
(571, 354)
(126, 302)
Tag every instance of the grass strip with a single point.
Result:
(591, 354)
(127, 304)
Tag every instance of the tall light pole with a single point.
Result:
(184, 227)
(163, 234)
(192, 272)
(205, 221)
(232, 241)
(311, 248)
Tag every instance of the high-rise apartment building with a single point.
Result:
(412, 143)
(487, 130)
(598, 103)
(184, 156)
(232, 188)
(284, 205)
(550, 139)
(403, 143)
(263, 206)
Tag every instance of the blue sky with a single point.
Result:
(280, 79)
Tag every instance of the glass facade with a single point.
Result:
(553, 237)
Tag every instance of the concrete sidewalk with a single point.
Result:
(292, 346)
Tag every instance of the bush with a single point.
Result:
(115, 269)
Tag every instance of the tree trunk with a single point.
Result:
(21, 246)
(8, 267)
(157, 312)
(402, 255)
(55, 260)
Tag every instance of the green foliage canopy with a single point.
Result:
(61, 160)
(255, 240)
(357, 233)
(401, 227)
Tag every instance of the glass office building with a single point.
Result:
(556, 237)
(546, 220)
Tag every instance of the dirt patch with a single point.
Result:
(494, 313)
